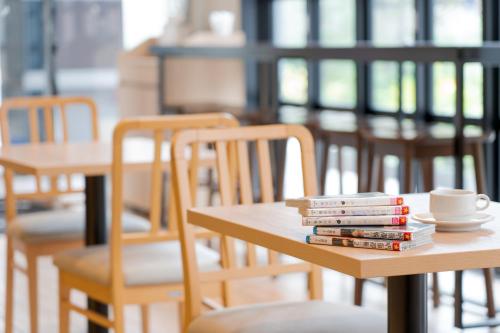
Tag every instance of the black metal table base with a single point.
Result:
(407, 304)
(95, 232)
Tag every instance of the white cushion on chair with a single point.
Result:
(62, 225)
(311, 317)
(155, 263)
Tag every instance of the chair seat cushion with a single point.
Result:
(311, 316)
(156, 263)
(62, 225)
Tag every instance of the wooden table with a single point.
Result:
(279, 228)
(92, 160)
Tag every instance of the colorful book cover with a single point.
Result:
(354, 220)
(377, 244)
(411, 231)
(352, 200)
(356, 211)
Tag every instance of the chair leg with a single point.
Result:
(490, 297)
(436, 299)
(32, 291)
(64, 299)
(358, 291)
(9, 288)
(145, 318)
(118, 320)
(315, 279)
(181, 314)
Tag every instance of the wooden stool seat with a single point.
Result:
(415, 141)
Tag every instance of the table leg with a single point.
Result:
(407, 304)
(95, 231)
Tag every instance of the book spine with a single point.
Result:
(360, 233)
(356, 202)
(378, 244)
(356, 211)
(354, 220)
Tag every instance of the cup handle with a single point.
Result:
(485, 198)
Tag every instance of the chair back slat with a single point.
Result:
(156, 183)
(64, 122)
(193, 171)
(239, 139)
(225, 187)
(266, 183)
(48, 123)
(246, 193)
(33, 107)
(34, 127)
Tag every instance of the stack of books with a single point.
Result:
(366, 220)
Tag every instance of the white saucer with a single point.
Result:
(472, 224)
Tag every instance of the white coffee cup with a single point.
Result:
(456, 205)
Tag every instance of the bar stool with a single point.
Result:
(340, 129)
(418, 142)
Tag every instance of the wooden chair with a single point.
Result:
(43, 233)
(136, 268)
(233, 165)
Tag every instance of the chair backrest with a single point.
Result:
(233, 169)
(54, 127)
(159, 127)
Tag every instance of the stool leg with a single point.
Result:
(490, 297)
(339, 154)
(478, 157)
(381, 174)
(324, 165)
(479, 170)
(369, 168)
(408, 173)
(427, 174)
(359, 165)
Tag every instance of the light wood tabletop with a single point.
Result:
(87, 158)
(279, 228)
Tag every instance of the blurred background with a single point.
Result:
(73, 47)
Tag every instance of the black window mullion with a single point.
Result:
(313, 75)
(424, 81)
(363, 34)
(491, 102)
